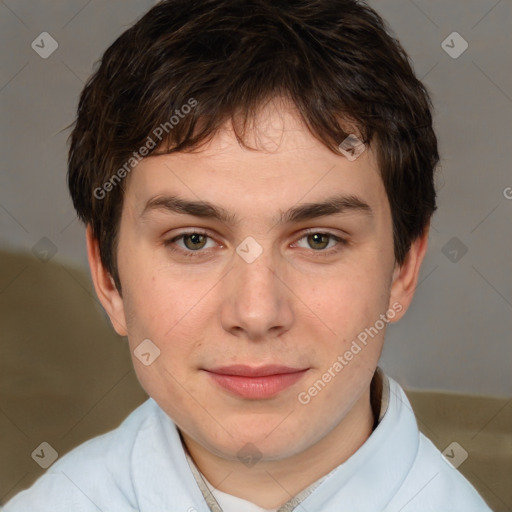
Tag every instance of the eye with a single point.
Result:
(194, 241)
(319, 241)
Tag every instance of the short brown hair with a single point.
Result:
(336, 60)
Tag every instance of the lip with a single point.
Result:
(256, 382)
(243, 370)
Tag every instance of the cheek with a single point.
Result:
(153, 297)
(350, 306)
(353, 296)
(163, 315)
(169, 309)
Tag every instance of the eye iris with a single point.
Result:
(194, 237)
(316, 237)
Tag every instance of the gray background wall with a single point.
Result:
(457, 334)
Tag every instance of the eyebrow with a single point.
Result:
(333, 205)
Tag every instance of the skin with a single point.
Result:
(290, 306)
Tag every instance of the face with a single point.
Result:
(258, 286)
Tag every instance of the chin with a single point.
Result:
(261, 443)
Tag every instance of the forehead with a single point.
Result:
(286, 166)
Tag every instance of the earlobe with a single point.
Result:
(405, 276)
(104, 285)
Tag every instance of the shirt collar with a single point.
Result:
(164, 479)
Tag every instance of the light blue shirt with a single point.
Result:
(142, 466)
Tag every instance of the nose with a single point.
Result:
(257, 299)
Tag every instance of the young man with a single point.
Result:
(256, 178)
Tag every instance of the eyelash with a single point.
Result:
(195, 254)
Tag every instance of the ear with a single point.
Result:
(104, 285)
(405, 276)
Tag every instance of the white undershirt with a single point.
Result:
(230, 503)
